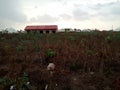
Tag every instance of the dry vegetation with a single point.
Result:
(84, 61)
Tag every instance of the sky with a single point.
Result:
(80, 14)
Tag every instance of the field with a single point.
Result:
(83, 60)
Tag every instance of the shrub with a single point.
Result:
(50, 53)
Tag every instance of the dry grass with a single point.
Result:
(85, 60)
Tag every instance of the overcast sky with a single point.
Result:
(83, 14)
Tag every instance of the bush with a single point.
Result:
(50, 53)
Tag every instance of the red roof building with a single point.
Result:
(42, 28)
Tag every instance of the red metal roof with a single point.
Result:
(41, 27)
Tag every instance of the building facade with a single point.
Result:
(42, 29)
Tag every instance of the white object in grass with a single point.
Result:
(46, 87)
(28, 83)
(12, 87)
(91, 73)
(51, 67)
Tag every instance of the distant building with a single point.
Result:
(42, 28)
(63, 30)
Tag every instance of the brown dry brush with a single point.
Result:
(75, 53)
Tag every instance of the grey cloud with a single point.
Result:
(11, 10)
(44, 19)
(109, 11)
(66, 17)
(110, 8)
(79, 14)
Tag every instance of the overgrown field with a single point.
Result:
(84, 61)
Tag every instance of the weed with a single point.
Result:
(25, 79)
(50, 53)
(72, 38)
(37, 48)
(108, 39)
(5, 82)
(20, 48)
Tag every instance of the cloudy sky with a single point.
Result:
(83, 14)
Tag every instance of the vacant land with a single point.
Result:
(84, 61)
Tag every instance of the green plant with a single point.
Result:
(5, 31)
(72, 38)
(5, 82)
(37, 48)
(7, 46)
(89, 52)
(73, 67)
(83, 41)
(67, 30)
(20, 48)
(24, 81)
(50, 53)
(108, 39)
